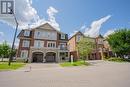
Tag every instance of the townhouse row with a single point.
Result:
(45, 44)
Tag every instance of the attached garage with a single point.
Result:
(50, 57)
(37, 57)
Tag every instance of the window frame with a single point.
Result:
(51, 44)
(26, 33)
(38, 43)
(25, 43)
(62, 36)
(24, 54)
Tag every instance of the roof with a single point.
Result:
(100, 36)
(81, 34)
(76, 34)
(40, 26)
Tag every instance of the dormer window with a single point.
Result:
(62, 36)
(26, 33)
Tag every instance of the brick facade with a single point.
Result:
(44, 49)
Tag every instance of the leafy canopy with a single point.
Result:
(85, 46)
(120, 41)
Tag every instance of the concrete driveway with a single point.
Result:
(99, 74)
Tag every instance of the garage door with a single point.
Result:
(50, 57)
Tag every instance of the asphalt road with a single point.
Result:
(99, 74)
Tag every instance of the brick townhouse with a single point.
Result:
(101, 49)
(43, 44)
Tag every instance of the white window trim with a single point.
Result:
(37, 42)
(26, 33)
(50, 42)
(77, 38)
(24, 54)
(25, 43)
(62, 36)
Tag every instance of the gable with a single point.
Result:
(46, 26)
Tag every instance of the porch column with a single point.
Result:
(58, 57)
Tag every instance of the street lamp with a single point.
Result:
(12, 48)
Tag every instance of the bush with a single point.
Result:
(118, 59)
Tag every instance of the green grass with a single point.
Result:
(77, 63)
(114, 59)
(14, 65)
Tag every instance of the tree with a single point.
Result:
(4, 50)
(85, 47)
(120, 42)
(0, 50)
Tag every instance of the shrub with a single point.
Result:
(118, 59)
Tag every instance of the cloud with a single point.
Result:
(24, 13)
(1, 34)
(108, 33)
(83, 27)
(27, 16)
(78, 29)
(51, 11)
(95, 27)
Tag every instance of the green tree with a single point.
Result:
(120, 42)
(4, 50)
(85, 46)
(0, 50)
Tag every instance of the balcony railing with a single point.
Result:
(59, 47)
(63, 48)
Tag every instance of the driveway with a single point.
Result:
(99, 74)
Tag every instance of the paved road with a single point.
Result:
(100, 74)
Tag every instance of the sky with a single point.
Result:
(92, 17)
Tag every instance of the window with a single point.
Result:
(38, 34)
(25, 43)
(26, 33)
(24, 53)
(62, 36)
(63, 46)
(51, 44)
(38, 43)
(78, 38)
(100, 41)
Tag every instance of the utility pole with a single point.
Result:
(12, 48)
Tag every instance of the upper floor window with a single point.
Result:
(51, 44)
(38, 34)
(78, 37)
(25, 43)
(100, 41)
(26, 33)
(63, 46)
(38, 43)
(62, 36)
(44, 34)
(24, 53)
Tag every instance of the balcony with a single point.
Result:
(38, 48)
(62, 48)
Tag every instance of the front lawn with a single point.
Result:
(14, 65)
(114, 59)
(77, 63)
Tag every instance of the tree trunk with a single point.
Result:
(2, 59)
